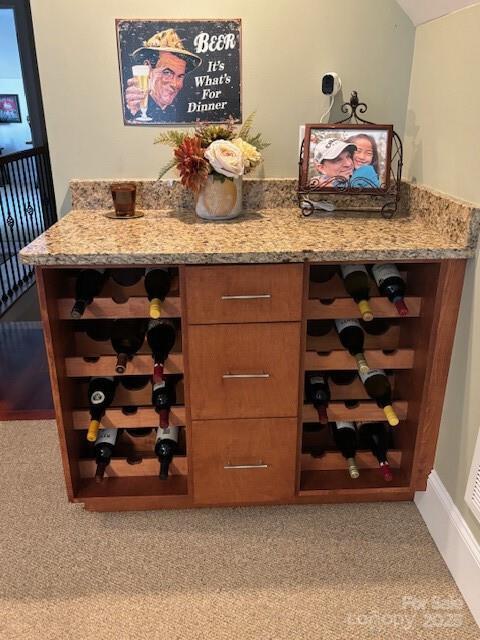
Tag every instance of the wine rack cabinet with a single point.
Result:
(247, 434)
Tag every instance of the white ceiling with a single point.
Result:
(421, 11)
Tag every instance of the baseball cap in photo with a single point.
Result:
(331, 148)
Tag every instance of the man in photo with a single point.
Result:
(333, 162)
(168, 63)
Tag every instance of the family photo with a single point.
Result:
(179, 71)
(340, 157)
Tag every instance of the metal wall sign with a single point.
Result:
(179, 71)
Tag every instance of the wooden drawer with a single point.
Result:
(244, 293)
(244, 371)
(237, 461)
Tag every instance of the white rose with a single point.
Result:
(225, 158)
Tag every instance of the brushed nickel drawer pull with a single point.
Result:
(260, 465)
(251, 297)
(229, 376)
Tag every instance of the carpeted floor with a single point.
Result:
(333, 572)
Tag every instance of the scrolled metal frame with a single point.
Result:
(387, 199)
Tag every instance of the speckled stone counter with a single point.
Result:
(172, 236)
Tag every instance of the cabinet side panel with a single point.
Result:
(434, 343)
(56, 337)
(186, 376)
(301, 383)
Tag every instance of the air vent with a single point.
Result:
(472, 495)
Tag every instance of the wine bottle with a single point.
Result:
(134, 383)
(378, 388)
(127, 337)
(157, 286)
(342, 377)
(163, 396)
(391, 284)
(99, 330)
(352, 338)
(101, 391)
(375, 436)
(126, 277)
(357, 284)
(322, 273)
(345, 438)
(313, 427)
(376, 327)
(318, 393)
(141, 432)
(161, 336)
(87, 287)
(104, 446)
(319, 327)
(165, 447)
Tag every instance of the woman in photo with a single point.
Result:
(365, 161)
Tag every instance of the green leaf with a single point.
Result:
(166, 167)
(171, 138)
(257, 142)
(247, 125)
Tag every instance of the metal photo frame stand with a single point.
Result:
(385, 202)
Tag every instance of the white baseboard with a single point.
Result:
(453, 538)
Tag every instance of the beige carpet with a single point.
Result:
(311, 572)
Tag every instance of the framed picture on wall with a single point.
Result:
(340, 157)
(9, 108)
(179, 71)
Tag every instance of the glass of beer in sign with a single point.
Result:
(142, 74)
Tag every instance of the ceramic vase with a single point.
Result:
(220, 198)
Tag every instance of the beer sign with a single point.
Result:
(179, 71)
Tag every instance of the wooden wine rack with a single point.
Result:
(239, 361)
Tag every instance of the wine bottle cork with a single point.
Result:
(353, 469)
(362, 363)
(93, 430)
(155, 308)
(322, 414)
(121, 364)
(365, 310)
(100, 472)
(401, 307)
(164, 416)
(391, 415)
(78, 309)
(386, 472)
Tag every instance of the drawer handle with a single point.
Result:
(260, 465)
(229, 376)
(251, 297)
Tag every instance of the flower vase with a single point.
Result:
(220, 198)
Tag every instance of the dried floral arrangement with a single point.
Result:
(223, 151)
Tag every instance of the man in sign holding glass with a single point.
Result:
(156, 82)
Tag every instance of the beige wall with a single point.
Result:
(287, 46)
(442, 151)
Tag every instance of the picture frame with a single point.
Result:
(347, 158)
(9, 108)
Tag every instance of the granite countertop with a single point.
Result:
(438, 230)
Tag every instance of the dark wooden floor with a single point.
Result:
(24, 383)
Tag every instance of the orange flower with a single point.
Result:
(191, 164)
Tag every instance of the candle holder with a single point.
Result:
(124, 196)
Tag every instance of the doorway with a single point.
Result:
(27, 208)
